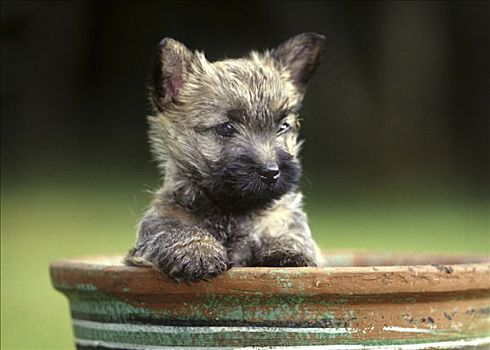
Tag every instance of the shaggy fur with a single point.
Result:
(225, 135)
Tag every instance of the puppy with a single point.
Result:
(225, 136)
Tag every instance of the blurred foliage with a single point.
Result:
(45, 220)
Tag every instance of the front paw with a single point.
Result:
(285, 257)
(197, 260)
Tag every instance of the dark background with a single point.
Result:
(395, 121)
(401, 96)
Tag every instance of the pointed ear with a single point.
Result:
(300, 55)
(172, 60)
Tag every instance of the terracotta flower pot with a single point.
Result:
(360, 301)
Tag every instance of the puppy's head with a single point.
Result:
(231, 127)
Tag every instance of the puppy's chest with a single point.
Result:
(228, 230)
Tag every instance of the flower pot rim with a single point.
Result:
(371, 274)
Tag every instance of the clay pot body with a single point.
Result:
(359, 301)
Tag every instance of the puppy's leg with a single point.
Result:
(283, 238)
(287, 249)
(182, 252)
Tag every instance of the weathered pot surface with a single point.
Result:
(358, 301)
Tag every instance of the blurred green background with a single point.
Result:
(396, 123)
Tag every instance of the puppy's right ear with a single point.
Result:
(172, 60)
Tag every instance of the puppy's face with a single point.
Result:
(232, 126)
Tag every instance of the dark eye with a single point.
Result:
(225, 129)
(284, 127)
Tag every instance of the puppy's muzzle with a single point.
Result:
(269, 173)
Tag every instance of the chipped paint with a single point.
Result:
(366, 307)
(86, 287)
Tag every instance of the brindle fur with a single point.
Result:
(213, 210)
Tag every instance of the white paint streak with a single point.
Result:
(457, 344)
(128, 327)
(407, 330)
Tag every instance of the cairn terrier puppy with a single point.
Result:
(225, 135)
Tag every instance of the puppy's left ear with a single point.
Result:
(300, 55)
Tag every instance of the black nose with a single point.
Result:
(270, 172)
